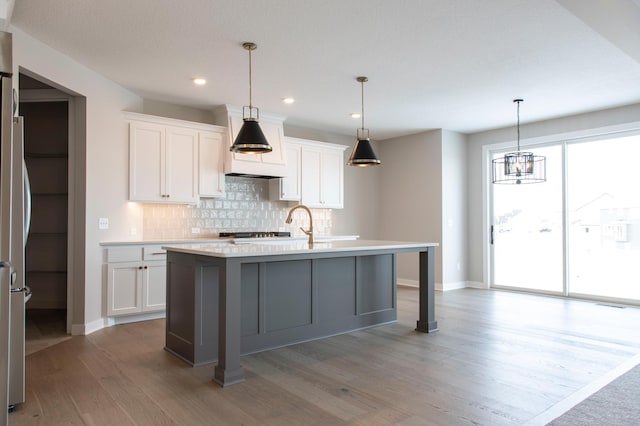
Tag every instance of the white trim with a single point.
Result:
(85, 329)
(136, 116)
(126, 319)
(478, 285)
(452, 286)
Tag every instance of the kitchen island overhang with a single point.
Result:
(228, 300)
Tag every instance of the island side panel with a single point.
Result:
(180, 317)
(427, 317)
(376, 286)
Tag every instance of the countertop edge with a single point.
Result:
(266, 249)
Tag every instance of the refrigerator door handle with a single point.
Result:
(27, 202)
(25, 289)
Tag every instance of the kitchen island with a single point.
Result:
(228, 300)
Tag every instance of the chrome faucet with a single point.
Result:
(310, 231)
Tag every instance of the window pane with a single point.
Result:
(604, 218)
(527, 219)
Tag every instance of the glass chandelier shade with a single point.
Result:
(363, 154)
(519, 167)
(250, 139)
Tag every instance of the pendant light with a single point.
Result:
(250, 139)
(363, 154)
(520, 166)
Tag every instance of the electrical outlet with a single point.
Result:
(103, 223)
(195, 230)
(134, 231)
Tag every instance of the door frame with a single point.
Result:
(76, 173)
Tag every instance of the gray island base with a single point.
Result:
(228, 300)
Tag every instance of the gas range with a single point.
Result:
(254, 234)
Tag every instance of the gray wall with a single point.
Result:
(411, 194)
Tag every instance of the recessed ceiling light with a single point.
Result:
(199, 81)
(355, 115)
(288, 100)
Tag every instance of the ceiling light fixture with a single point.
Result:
(250, 139)
(356, 115)
(363, 154)
(519, 167)
(288, 100)
(199, 81)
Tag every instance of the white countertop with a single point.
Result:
(280, 247)
(218, 240)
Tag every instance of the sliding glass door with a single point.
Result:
(527, 236)
(603, 204)
(577, 234)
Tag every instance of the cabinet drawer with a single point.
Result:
(123, 254)
(154, 253)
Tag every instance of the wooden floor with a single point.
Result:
(499, 358)
(44, 328)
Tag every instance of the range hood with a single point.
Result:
(266, 166)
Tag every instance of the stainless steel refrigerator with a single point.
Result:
(14, 223)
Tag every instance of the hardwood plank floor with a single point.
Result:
(499, 358)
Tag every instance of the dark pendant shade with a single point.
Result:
(363, 154)
(250, 139)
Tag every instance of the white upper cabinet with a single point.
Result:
(288, 188)
(174, 161)
(273, 163)
(211, 164)
(321, 176)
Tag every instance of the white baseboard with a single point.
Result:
(111, 321)
(85, 329)
(477, 284)
(99, 324)
(445, 286)
(452, 286)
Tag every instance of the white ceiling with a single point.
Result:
(454, 64)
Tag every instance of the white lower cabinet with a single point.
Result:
(136, 283)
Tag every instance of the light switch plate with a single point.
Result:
(103, 223)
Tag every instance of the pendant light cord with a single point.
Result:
(250, 104)
(518, 127)
(362, 85)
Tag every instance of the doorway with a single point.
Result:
(46, 113)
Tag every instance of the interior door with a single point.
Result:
(527, 236)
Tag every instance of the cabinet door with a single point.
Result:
(211, 165)
(288, 188)
(154, 291)
(310, 177)
(181, 165)
(331, 175)
(124, 288)
(146, 162)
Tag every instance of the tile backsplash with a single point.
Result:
(246, 207)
